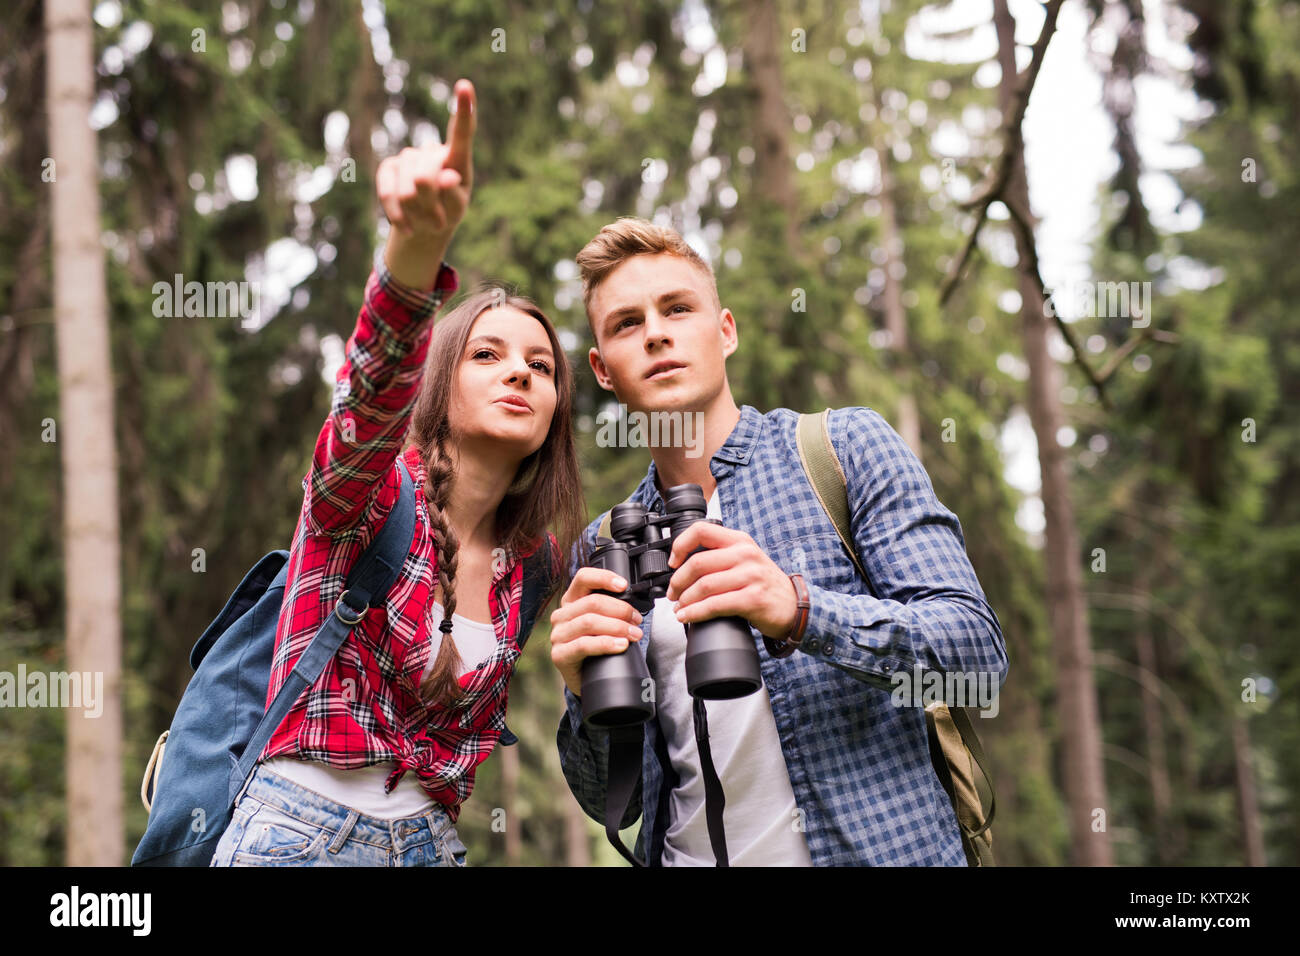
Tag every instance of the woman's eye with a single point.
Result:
(535, 362)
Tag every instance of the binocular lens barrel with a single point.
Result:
(721, 659)
(615, 687)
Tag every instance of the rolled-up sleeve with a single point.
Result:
(374, 394)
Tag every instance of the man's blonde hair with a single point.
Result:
(629, 236)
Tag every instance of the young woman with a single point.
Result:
(371, 765)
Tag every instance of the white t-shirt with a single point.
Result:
(363, 789)
(759, 816)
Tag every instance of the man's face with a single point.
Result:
(654, 309)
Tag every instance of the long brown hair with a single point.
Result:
(547, 490)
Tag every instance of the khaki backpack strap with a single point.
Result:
(955, 763)
(952, 737)
(817, 454)
(967, 731)
(603, 530)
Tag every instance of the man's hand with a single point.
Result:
(424, 193)
(586, 624)
(734, 576)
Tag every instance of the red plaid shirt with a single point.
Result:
(364, 708)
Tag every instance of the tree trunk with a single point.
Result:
(510, 801)
(909, 420)
(577, 843)
(365, 106)
(1152, 719)
(93, 760)
(1084, 774)
(1154, 728)
(1252, 839)
(774, 212)
(771, 117)
(27, 292)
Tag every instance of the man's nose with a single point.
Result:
(656, 328)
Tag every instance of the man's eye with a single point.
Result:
(624, 322)
(681, 305)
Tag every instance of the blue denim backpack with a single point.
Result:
(222, 724)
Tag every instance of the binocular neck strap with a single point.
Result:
(714, 799)
(625, 745)
(625, 750)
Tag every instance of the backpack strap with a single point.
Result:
(622, 776)
(367, 585)
(537, 581)
(972, 742)
(822, 464)
(817, 455)
(603, 530)
(955, 752)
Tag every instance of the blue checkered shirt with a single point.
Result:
(859, 765)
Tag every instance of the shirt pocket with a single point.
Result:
(820, 558)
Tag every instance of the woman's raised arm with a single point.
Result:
(424, 193)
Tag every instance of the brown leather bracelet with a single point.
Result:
(788, 644)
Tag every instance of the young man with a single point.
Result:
(819, 766)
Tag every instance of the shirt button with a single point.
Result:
(829, 647)
(811, 644)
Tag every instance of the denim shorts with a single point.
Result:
(279, 823)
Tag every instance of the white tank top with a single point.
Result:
(363, 789)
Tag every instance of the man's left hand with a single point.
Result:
(734, 576)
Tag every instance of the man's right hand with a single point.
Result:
(586, 624)
(424, 193)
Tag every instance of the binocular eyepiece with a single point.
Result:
(721, 658)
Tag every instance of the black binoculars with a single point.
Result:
(721, 657)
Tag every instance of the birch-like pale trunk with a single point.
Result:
(86, 439)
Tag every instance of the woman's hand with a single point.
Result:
(424, 193)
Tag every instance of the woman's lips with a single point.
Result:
(516, 405)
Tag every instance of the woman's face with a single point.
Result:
(508, 355)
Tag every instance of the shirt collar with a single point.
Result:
(736, 450)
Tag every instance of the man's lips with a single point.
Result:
(665, 371)
(515, 402)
